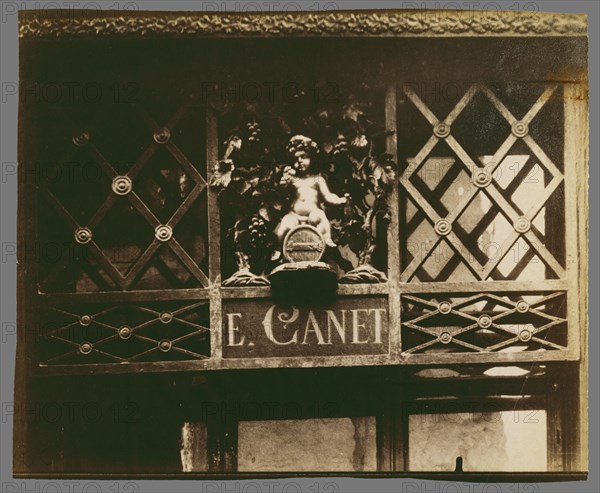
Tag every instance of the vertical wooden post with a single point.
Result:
(392, 425)
(28, 300)
(392, 436)
(575, 158)
(385, 436)
(222, 427)
(576, 214)
(230, 440)
(214, 237)
(555, 434)
(393, 236)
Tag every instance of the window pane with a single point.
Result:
(498, 441)
(333, 444)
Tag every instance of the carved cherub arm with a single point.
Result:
(328, 195)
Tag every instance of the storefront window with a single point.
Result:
(332, 444)
(494, 441)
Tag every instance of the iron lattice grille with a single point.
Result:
(444, 231)
(126, 333)
(483, 323)
(136, 224)
(122, 191)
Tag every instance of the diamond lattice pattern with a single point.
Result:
(126, 333)
(483, 323)
(479, 217)
(132, 225)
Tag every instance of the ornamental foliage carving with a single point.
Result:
(385, 23)
(256, 169)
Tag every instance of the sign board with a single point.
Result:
(262, 329)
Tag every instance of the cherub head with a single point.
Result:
(303, 150)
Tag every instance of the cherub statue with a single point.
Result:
(311, 191)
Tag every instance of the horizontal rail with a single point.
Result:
(125, 296)
(313, 362)
(484, 286)
(343, 290)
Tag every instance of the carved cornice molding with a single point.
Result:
(49, 23)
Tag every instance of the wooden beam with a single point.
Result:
(124, 296)
(576, 211)
(392, 435)
(393, 234)
(478, 405)
(27, 283)
(484, 287)
(214, 235)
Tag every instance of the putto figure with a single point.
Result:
(311, 191)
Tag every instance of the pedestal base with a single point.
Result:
(303, 283)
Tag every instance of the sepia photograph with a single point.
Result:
(317, 243)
